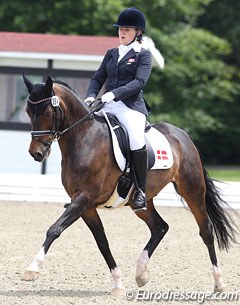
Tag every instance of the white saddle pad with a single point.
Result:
(160, 145)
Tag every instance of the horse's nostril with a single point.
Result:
(39, 156)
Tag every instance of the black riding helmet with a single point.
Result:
(131, 17)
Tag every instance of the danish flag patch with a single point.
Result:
(131, 60)
(162, 155)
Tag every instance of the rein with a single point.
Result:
(98, 107)
(56, 134)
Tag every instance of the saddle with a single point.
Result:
(123, 139)
(126, 180)
(159, 155)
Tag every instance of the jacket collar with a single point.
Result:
(129, 54)
(135, 48)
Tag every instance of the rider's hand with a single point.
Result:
(89, 100)
(108, 97)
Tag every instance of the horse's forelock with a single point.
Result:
(39, 93)
(39, 98)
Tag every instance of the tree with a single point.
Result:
(85, 17)
(222, 18)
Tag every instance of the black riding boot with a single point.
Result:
(140, 166)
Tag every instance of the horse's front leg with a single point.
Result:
(73, 212)
(94, 223)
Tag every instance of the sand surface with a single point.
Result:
(75, 272)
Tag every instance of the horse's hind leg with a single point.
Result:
(206, 233)
(158, 228)
(193, 191)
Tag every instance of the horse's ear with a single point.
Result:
(27, 82)
(49, 84)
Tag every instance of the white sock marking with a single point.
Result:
(142, 263)
(217, 274)
(116, 275)
(37, 261)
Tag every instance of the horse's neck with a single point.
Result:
(74, 111)
(73, 108)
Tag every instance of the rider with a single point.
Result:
(126, 70)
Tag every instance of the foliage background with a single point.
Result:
(199, 88)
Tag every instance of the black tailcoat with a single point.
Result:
(125, 79)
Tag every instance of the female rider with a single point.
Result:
(126, 70)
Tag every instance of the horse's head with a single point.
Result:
(45, 115)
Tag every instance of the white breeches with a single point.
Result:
(134, 121)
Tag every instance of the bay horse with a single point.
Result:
(90, 175)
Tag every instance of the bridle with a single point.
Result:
(56, 119)
(54, 131)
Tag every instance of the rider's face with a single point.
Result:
(126, 35)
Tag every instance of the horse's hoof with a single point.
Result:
(142, 279)
(119, 292)
(220, 289)
(30, 275)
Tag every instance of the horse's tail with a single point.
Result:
(218, 211)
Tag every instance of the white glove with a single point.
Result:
(108, 97)
(89, 100)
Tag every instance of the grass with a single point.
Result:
(224, 173)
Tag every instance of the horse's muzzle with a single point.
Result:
(39, 152)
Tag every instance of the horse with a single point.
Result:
(90, 174)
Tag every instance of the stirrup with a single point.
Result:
(139, 201)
